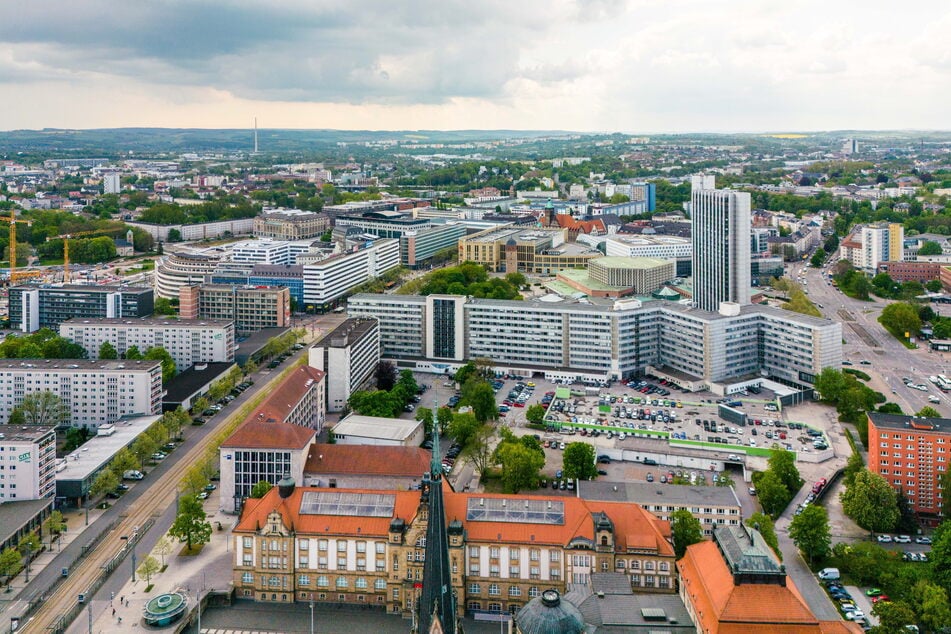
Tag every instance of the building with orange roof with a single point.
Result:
(299, 399)
(735, 584)
(367, 546)
(365, 467)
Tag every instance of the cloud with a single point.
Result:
(638, 65)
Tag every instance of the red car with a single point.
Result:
(881, 597)
(519, 404)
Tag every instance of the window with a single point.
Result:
(473, 551)
(322, 582)
(515, 591)
(663, 566)
(473, 569)
(303, 580)
(304, 544)
(302, 561)
(341, 582)
(534, 554)
(341, 547)
(534, 592)
(554, 555)
(247, 542)
(360, 583)
(493, 570)
(619, 564)
(247, 578)
(494, 552)
(361, 547)
(475, 588)
(494, 590)
(379, 584)
(513, 554)
(380, 548)
(322, 544)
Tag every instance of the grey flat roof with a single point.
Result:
(193, 379)
(902, 421)
(652, 493)
(375, 427)
(24, 433)
(150, 321)
(745, 550)
(351, 329)
(100, 449)
(76, 364)
(13, 515)
(393, 299)
(90, 288)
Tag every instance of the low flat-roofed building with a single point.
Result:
(83, 465)
(509, 248)
(372, 430)
(609, 604)
(20, 518)
(712, 505)
(185, 388)
(365, 467)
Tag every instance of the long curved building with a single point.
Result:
(175, 270)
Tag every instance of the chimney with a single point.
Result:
(285, 486)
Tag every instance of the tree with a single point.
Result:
(773, 494)
(933, 286)
(174, 235)
(929, 247)
(893, 616)
(11, 563)
(425, 415)
(579, 461)
(385, 375)
(520, 466)
(928, 412)
(810, 532)
(75, 438)
(830, 383)
(143, 448)
(132, 353)
(149, 567)
(901, 317)
(249, 367)
(535, 414)
(260, 489)
(944, 485)
(479, 395)
(931, 604)
(106, 481)
(16, 417)
(871, 502)
(852, 467)
(107, 351)
(200, 405)
(685, 529)
(463, 373)
(193, 482)
(479, 449)
(124, 460)
(164, 306)
(463, 428)
(54, 525)
(818, 258)
(783, 464)
(158, 353)
(406, 386)
(190, 526)
(444, 417)
(376, 403)
(44, 408)
(164, 547)
(764, 524)
(941, 554)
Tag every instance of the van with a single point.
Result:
(829, 574)
(650, 461)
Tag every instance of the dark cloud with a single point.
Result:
(415, 52)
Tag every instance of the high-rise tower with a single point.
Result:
(721, 247)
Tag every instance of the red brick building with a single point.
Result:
(911, 453)
(911, 271)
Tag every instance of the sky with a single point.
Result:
(639, 66)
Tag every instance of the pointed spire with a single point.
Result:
(435, 467)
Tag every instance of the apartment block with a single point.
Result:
(27, 462)
(912, 453)
(189, 341)
(328, 280)
(870, 245)
(368, 547)
(251, 308)
(95, 392)
(348, 355)
(566, 339)
(33, 307)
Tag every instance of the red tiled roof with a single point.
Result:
(260, 435)
(378, 460)
(724, 608)
(582, 226)
(287, 395)
(255, 514)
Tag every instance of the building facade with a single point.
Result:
(27, 462)
(246, 274)
(174, 270)
(418, 247)
(330, 279)
(912, 453)
(911, 271)
(648, 246)
(188, 341)
(721, 247)
(870, 245)
(299, 399)
(566, 339)
(249, 308)
(368, 547)
(34, 307)
(348, 355)
(94, 392)
(510, 249)
(290, 224)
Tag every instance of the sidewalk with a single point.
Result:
(209, 570)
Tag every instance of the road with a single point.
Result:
(134, 509)
(866, 339)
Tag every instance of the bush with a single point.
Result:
(858, 373)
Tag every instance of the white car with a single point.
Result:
(884, 539)
(855, 615)
(902, 539)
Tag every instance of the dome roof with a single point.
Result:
(511, 243)
(548, 614)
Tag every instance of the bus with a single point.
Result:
(943, 382)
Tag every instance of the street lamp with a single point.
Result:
(29, 551)
(311, 613)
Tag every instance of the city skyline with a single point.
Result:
(633, 66)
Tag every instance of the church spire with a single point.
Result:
(437, 605)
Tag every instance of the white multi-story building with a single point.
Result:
(721, 247)
(189, 341)
(111, 183)
(27, 462)
(348, 355)
(263, 251)
(94, 392)
(653, 246)
(329, 279)
(570, 339)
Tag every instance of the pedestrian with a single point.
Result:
(121, 599)
(113, 611)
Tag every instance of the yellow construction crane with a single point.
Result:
(66, 238)
(15, 275)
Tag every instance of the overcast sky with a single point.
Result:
(592, 65)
